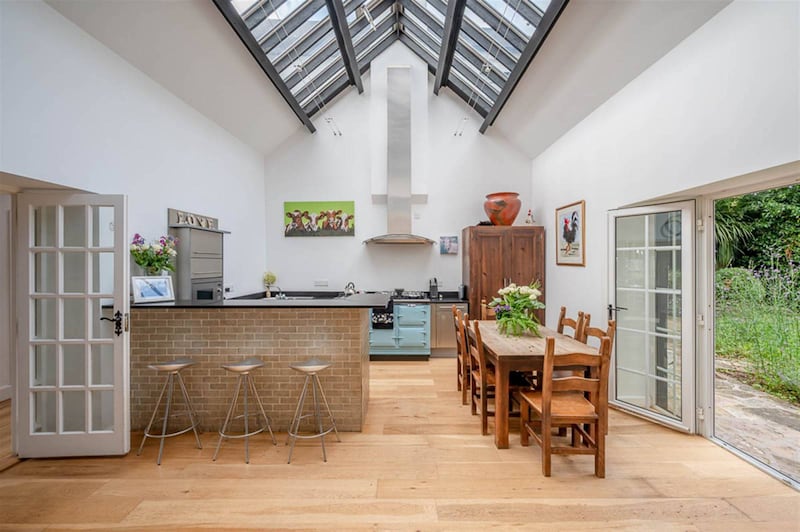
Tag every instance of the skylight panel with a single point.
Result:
(491, 32)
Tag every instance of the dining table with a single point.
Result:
(518, 353)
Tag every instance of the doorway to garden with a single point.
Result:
(757, 327)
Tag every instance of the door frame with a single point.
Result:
(689, 324)
(706, 409)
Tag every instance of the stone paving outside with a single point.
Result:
(759, 424)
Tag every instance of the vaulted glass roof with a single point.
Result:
(312, 50)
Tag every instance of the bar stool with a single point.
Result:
(245, 380)
(310, 368)
(172, 369)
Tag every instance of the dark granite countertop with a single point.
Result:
(304, 301)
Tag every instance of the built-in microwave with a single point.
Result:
(204, 290)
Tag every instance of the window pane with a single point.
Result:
(102, 364)
(43, 372)
(102, 410)
(75, 225)
(74, 272)
(103, 273)
(102, 226)
(44, 324)
(44, 226)
(44, 273)
(74, 318)
(73, 404)
(74, 365)
(44, 412)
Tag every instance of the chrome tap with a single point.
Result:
(350, 289)
(279, 294)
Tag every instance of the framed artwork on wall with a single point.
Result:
(152, 289)
(319, 218)
(448, 245)
(571, 234)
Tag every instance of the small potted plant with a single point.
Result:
(269, 280)
(514, 309)
(154, 257)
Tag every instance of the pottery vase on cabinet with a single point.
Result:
(502, 207)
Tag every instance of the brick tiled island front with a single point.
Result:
(278, 335)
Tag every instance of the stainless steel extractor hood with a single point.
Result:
(398, 161)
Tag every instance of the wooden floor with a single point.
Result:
(421, 464)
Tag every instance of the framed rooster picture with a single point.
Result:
(571, 234)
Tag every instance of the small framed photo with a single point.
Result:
(571, 234)
(448, 245)
(152, 289)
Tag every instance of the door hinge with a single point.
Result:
(701, 226)
(701, 320)
(701, 414)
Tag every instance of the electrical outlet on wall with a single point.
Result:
(320, 282)
(228, 288)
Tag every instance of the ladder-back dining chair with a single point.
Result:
(462, 354)
(563, 402)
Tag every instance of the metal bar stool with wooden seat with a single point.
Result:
(244, 381)
(173, 370)
(311, 368)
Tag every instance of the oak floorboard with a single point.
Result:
(419, 464)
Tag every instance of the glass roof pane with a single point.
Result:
(476, 75)
(479, 68)
(430, 10)
(319, 18)
(277, 17)
(370, 27)
(430, 32)
(467, 42)
(311, 57)
(511, 16)
(491, 33)
(474, 93)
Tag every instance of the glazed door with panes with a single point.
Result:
(651, 294)
(73, 345)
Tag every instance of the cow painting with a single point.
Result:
(319, 218)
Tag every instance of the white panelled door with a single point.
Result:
(652, 290)
(73, 344)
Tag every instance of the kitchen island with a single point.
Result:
(279, 331)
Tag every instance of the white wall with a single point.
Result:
(456, 172)
(74, 113)
(724, 102)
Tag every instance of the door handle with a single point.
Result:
(612, 309)
(117, 319)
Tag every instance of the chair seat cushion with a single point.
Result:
(564, 405)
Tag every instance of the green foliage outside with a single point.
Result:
(758, 300)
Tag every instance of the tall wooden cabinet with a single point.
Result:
(495, 256)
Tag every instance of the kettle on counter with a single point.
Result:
(433, 289)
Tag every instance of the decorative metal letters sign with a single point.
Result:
(176, 218)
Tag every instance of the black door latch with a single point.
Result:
(117, 319)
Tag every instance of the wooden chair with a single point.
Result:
(562, 403)
(596, 332)
(487, 313)
(577, 325)
(462, 354)
(482, 377)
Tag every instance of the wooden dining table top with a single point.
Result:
(528, 345)
(519, 353)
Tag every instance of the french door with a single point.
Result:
(72, 310)
(651, 294)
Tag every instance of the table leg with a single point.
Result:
(501, 405)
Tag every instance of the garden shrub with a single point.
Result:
(735, 286)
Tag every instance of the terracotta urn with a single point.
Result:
(502, 207)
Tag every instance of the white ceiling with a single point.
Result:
(188, 47)
(593, 51)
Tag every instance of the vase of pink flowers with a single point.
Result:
(154, 257)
